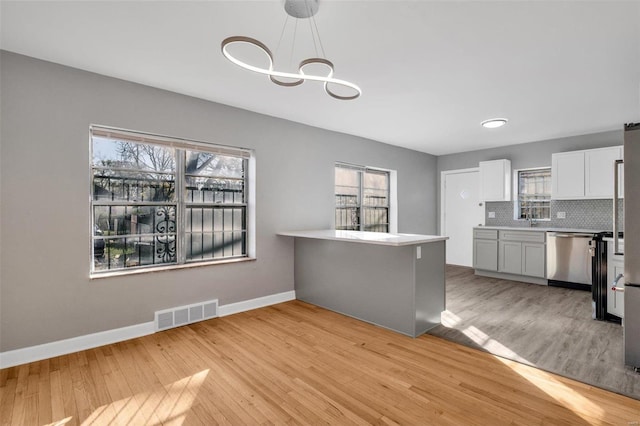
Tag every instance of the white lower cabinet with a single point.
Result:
(533, 259)
(510, 252)
(522, 258)
(522, 253)
(510, 255)
(485, 254)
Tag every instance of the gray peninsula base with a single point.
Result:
(384, 285)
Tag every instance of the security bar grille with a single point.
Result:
(362, 198)
(534, 194)
(157, 201)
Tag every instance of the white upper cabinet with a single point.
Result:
(583, 174)
(495, 180)
(567, 175)
(599, 167)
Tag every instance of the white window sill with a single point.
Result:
(125, 272)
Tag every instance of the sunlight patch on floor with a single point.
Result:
(169, 402)
(544, 381)
(492, 345)
(60, 422)
(566, 396)
(451, 320)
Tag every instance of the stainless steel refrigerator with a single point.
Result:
(632, 244)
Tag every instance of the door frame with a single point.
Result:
(443, 175)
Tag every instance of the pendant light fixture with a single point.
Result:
(298, 9)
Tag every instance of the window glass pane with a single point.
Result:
(376, 189)
(134, 251)
(118, 185)
(534, 194)
(212, 178)
(347, 186)
(347, 218)
(128, 220)
(347, 194)
(215, 245)
(214, 165)
(376, 219)
(118, 154)
(215, 232)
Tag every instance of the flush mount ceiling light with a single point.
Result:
(494, 123)
(299, 9)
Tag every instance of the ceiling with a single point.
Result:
(430, 72)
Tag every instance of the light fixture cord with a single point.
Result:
(315, 24)
(284, 26)
(315, 47)
(293, 43)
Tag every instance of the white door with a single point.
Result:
(461, 211)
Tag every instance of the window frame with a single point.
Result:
(181, 147)
(517, 208)
(391, 176)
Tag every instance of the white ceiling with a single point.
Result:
(430, 71)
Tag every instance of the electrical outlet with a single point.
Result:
(561, 215)
(491, 215)
(419, 252)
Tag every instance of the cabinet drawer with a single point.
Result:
(523, 236)
(486, 234)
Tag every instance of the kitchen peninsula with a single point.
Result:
(396, 281)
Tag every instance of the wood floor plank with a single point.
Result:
(18, 412)
(7, 400)
(44, 393)
(295, 363)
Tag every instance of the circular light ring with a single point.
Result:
(494, 123)
(299, 78)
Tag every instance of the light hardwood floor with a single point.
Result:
(295, 363)
(548, 327)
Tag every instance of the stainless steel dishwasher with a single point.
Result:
(569, 259)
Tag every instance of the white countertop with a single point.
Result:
(379, 238)
(541, 229)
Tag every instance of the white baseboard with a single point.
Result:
(259, 302)
(94, 340)
(75, 344)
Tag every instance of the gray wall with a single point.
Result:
(46, 109)
(527, 155)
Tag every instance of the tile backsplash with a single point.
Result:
(581, 214)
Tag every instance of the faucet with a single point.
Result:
(528, 218)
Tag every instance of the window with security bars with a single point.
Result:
(156, 201)
(362, 199)
(534, 194)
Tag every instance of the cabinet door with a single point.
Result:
(599, 166)
(533, 258)
(495, 180)
(485, 254)
(510, 257)
(567, 175)
(615, 299)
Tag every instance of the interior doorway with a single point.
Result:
(461, 210)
